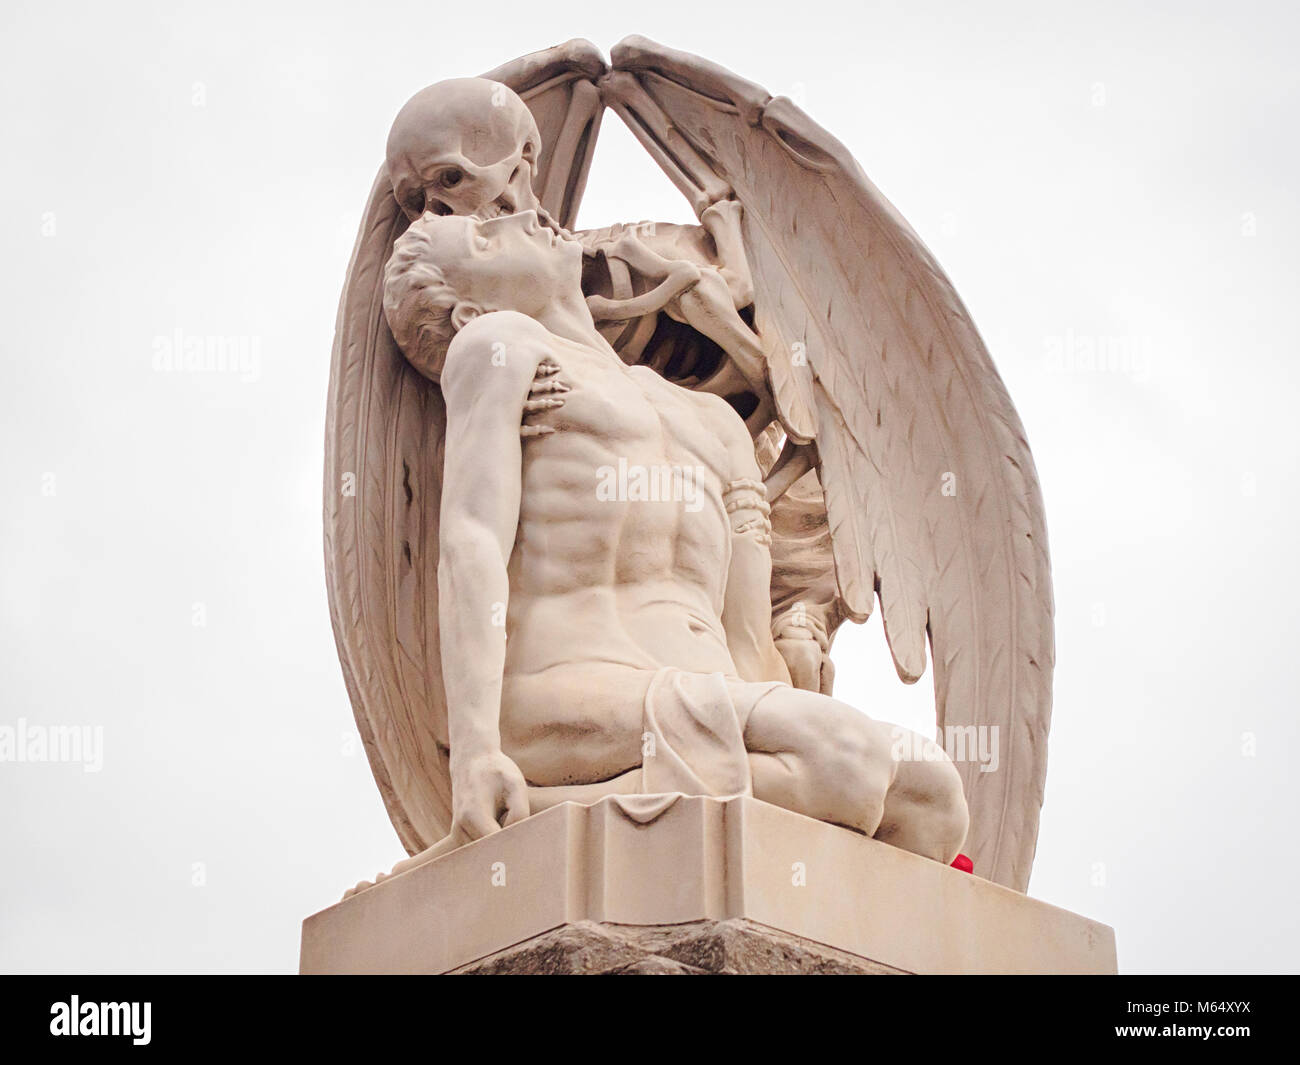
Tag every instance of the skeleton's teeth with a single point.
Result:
(495, 209)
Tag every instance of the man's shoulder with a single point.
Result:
(722, 415)
(509, 343)
(496, 328)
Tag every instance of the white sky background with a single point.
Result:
(1109, 172)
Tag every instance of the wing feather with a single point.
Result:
(930, 488)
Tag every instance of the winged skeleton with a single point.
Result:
(898, 465)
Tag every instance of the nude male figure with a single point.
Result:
(470, 146)
(601, 595)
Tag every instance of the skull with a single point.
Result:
(467, 146)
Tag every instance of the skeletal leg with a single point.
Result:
(722, 222)
(708, 307)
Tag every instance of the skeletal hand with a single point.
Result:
(545, 393)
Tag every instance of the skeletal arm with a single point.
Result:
(688, 286)
(747, 606)
(652, 248)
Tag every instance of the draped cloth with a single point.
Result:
(693, 741)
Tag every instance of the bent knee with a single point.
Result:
(926, 810)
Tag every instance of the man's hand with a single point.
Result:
(488, 793)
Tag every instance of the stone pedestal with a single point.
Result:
(694, 885)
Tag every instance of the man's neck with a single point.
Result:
(571, 320)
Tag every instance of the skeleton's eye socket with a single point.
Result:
(449, 179)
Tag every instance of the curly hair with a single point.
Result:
(418, 301)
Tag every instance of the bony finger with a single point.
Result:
(546, 385)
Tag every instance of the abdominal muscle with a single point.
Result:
(604, 593)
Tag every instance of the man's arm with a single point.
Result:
(486, 380)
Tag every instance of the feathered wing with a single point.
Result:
(384, 435)
(929, 485)
(559, 87)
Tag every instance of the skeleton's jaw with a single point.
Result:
(497, 208)
(516, 197)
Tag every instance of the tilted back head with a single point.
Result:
(448, 269)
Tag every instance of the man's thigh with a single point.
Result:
(574, 725)
(820, 757)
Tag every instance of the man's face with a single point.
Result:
(509, 263)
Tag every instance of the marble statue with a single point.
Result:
(597, 502)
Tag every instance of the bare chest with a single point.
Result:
(616, 413)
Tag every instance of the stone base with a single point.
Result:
(735, 947)
(694, 885)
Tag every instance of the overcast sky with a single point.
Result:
(1107, 176)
